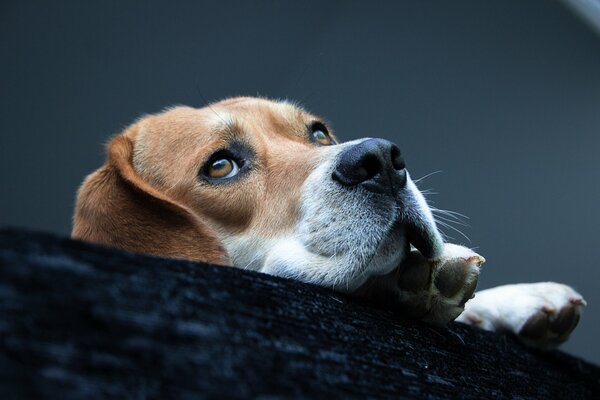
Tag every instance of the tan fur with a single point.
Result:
(148, 196)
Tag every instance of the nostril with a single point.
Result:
(397, 160)
(372, 166)
(376, 164)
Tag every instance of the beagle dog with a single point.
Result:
(264, 185)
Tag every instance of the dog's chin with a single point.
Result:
(292, 259)
(346, 272)
(355, 236)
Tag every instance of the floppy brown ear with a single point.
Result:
(116, 207)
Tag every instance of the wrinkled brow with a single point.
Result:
(280, 118)
(226, 126)
(302, 118)
(297, 117)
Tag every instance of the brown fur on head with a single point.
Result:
(287, 203)
(150, 196)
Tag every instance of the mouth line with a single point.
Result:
(424, 237)
(419, 228)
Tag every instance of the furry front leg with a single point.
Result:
(540, 314)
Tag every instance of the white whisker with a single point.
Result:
(453, 213)
(452, 221)
(442, 223)
(427, 176)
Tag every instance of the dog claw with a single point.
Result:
(578, 301)
(477, 260)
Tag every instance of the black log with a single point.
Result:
(84, 321)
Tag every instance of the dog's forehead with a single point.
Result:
(256, 105)
(262, 115)
(214, 123)
(178, 140)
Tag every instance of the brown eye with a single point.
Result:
(320, 134)
(322, 138)
(222, 168)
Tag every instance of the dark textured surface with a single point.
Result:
(82, 321)
(502, 96)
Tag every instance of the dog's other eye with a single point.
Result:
(322, 138)
(221, 168)
(320, 135)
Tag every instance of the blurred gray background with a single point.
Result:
(502, 96)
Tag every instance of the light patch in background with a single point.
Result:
(589, 10)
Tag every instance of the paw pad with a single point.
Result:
(541, 314)
(566, 320)
(451, 277)
(415, 275)
(549, 327)
(536, 326)
(439, 288)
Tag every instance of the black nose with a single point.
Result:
(375, 164)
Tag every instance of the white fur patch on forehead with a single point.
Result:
(219, 119)
(262, 114)
(290, 110)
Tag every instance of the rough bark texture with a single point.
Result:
(83, 321)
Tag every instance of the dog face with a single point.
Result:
(261, 185)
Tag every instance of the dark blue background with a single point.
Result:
(502, 96)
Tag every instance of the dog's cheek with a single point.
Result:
(231, 207)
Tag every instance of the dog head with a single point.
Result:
(261, 185)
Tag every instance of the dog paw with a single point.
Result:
(541, 315)
(436, 290)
